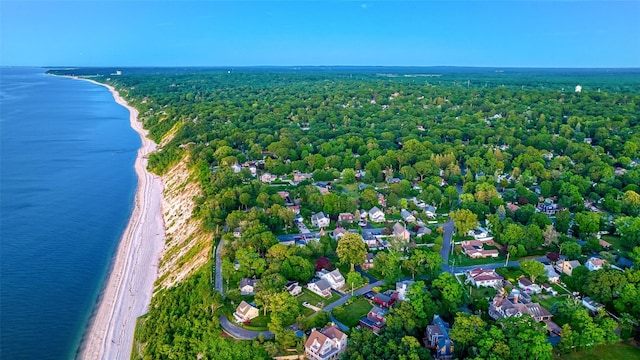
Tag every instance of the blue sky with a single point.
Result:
(244, 33)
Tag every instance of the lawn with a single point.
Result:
(483, 292)
(463, 260)
(615, 241)
(315, 299)
(547, 301)
(510, 273)
(350, 315)
(616, 351)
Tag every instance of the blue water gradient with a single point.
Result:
(67, 185)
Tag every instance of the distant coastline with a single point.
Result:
(128, 289)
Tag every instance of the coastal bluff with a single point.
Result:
(188, 246)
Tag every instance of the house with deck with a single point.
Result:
(326, 344)
(320, 287)
(245, 312)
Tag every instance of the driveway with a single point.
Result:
(358, 292)
(240, 333)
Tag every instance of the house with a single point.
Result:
(565, 266)
(407, 216)
(548, 207)
(517, 304)
(268, 178)
(604, 244)
(376, 215)
(323, 190)
(423, 231)
(334, 278)
(346, 218)
(384, 300)
(486, 278)
(400, 232)
(294, 289)
(381, 200)
(285, 197)
(368, 262)
(475, 250)
(594, 264)
(551, 274)
(512, 207)
(320, 220)
(295, 209)
(298, 177)
(245, 312)
(548, 288)
(338, 233)
(247, 286)
(437, 337)
(375, 319)
(372, 242)
(401, 289)
(527, 286)
(320, 287)
(591, 304)
(479, 234)
(430, 211)
(237, 232)
(326, 344)
(236, 168)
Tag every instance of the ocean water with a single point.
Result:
(67, 186)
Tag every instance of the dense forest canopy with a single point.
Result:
(510, 139)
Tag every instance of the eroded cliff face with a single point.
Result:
(188, 246)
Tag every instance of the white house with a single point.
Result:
(481, 277)
(247, 286)
(527, 286)
(430, 211)
(407, 216)
(320, 220)
(376, 215)
(320, 287)
(245, 312)
(294, 289)
(326, 344)
(594, 264)
(334, 278)
(268, 178)
(552, 275)
(479, 234)
(401, 288)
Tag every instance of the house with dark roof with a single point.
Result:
(528, 286)
(437, 338)
(247, 286)
(334, 278)
(518, 304)
(375, 319)
(320, 220)
(384, 300)
(320, 287)
(326, 344)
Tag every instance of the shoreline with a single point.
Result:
(128, 288)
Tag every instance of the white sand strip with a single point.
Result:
(129, 287)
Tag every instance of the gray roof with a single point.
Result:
(323, 284)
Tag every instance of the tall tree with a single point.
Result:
(352, 250)
(464, 220)
(533, 268)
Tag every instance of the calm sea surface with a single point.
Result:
(66, 193)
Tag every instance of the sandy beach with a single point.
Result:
(134, 269)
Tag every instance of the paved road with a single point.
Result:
(344, 299)
(240, 333)
(218, 284)
(446, 241)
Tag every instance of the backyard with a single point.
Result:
(350, 314)
(616, 351)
